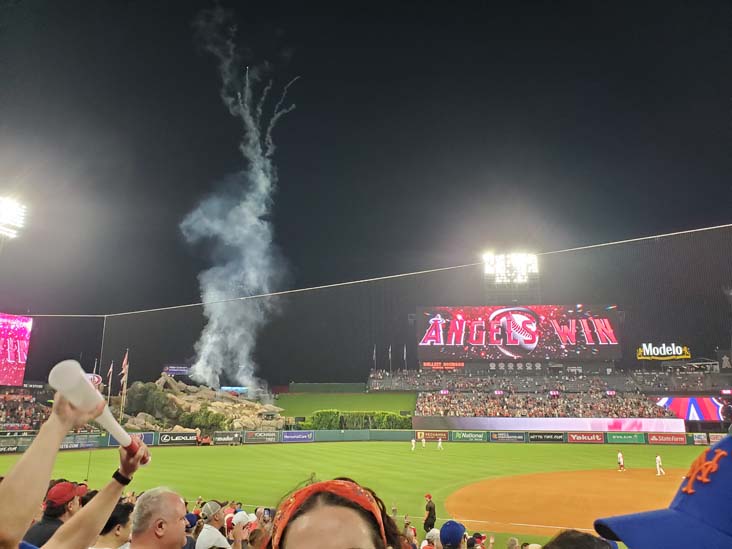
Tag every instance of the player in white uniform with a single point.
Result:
(439, 444)
(659, 466)
(621, 462)
(414, 444)
(424, 443)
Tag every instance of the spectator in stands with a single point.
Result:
(62, 501)
(213, 517)
(573, 539)
(191, 522)
(453, 535)
(159, 520)
(116, 531)
(512, 543)
(24, 486)
(432, 540)
(332, 515)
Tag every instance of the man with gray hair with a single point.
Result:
(159, 520)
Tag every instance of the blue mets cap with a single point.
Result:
(699, 515)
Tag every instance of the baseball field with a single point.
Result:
(528, 490)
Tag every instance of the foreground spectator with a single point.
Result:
(24, 486)
(159, 520)
(699, 515)
(62, 501)
(116, 531)
(573, 539)
(332, 515)
(453, 535)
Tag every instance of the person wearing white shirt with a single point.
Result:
(659, 466)
(212, 514)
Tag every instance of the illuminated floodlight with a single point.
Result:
(512, 268)
(12, 217)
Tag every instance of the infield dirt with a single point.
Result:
(545, 503)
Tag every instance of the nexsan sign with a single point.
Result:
(665, 351)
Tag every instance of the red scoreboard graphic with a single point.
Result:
(529, 332)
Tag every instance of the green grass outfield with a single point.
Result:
(262, 474)
(304, 404)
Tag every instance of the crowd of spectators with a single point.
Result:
(20, 410)
(326, 514)
(654, 382)
(584, 405)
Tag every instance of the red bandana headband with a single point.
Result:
(343, 488)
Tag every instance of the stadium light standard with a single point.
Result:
(12, 219)
(511, 268)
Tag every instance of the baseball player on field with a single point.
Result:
(621, 462)
(659, 466)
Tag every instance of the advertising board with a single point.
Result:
(716, 437)
(625, 438)
(468, 436)
(226, 437)
(666, 438)
(597, 424)
(546, 436)
(178, 438)
(79, 441)
(148, 437)
(700, 439)
(586, 438)
(432, 436)
(9, 449)
(261, 437)
(15, 332)
(298, 436)
(507, 436)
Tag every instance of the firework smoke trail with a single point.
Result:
(235, 221)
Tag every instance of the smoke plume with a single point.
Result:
(235, 220)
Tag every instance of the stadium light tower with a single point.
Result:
(513, 268)
(12, 217)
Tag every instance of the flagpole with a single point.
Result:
(101, 349)
(125, 373)
(405, 356)
(109, 382)
(374, 357)
(95, 367)
(389, 359)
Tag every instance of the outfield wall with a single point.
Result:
(636, 425)
(15, 442)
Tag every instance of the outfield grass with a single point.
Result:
(262, 474)
(304, 404)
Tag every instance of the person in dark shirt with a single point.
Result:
(429, 516)
(62, 501)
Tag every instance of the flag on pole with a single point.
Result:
(405, 356)
(390, 353)
(123, 389)
(95, 367)
(374, 356)
(109, 381)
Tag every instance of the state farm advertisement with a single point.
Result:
(666, 438)
(586, 438)
(535, 332)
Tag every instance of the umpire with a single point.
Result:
(429, 515)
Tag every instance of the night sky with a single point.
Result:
(424, 133)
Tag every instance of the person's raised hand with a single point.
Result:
(128, 464)
(240, 532)
(72, 417)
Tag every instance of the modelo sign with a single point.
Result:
(188, 439)
(666, 438)
(586, 438)
(260, 437)
(665, 351)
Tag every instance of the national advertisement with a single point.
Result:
(625, 438)
(546, 436)
(226, 437)
(700, 439)
(716, 437)
(148, 437)
(261, 437)
(298, 436)
(178, 438)
(666, 438)
(586, 438)
(507, 436)
(432, 436)
(468, 436)
(80, 441)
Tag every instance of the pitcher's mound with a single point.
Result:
(545, 503)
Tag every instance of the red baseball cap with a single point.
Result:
(428, 496)
(64, 492)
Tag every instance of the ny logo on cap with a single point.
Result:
(701, 468)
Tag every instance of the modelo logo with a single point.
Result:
(590, 438)
(177, 438)
(648, 351)
(666, 438)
